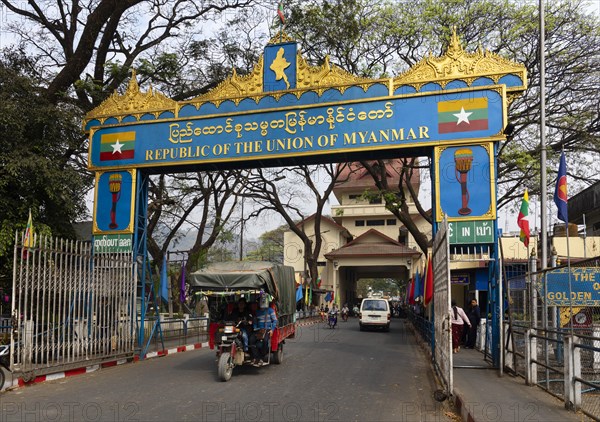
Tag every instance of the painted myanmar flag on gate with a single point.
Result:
(463, 115)
(117, 146)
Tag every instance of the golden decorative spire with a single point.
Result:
(457, 64)
(132, 102)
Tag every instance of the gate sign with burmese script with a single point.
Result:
(286, 108)
(286, 111)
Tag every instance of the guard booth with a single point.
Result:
(451, 108)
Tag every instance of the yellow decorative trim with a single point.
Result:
(280, 38)
(235, 88)
(456, 64)
(326, 76)
(132, 103)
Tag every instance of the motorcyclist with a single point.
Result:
(345, 311)
(333, 315)
(355, 310)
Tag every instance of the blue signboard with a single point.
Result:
(465, 184)
(350, 126)
(585, 287)
(114, 202)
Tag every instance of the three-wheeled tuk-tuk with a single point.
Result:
(222, 285)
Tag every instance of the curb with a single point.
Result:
(463, 411)
(20, 382)
(305, 323)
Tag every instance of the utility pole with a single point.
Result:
(242, 233)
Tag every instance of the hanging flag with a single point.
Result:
(328, 297)
(306, 294)
(280, 12)
(560, 193)
(182, 288)
(418, 286)
(299, 294)
(333, 296)
(411, 292)
(28, 239)
(429, 281)
(310, 291)
(464, 115)
(164, 289)
(523, 220)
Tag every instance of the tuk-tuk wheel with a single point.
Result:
(278, 355)
(225, 366)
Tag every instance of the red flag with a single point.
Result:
(411, 292)
(429, 281)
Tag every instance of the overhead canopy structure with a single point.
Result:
(275, 279)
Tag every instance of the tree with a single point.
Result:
(38, 171)
(107, 37)
(278, 190)
(270, 247)
(404, 32)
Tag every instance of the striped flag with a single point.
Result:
(117, 146)
(523, 220)
(280, 12)
(560, 193)
(28, 239)
(466, 115)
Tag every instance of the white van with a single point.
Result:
(374, 312)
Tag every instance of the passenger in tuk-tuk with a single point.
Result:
(265, 320)
(241, 314)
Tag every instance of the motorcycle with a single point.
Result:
(332, 320)
(4, 363)
(230, 352)
(345, 316)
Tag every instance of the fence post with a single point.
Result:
(572, 368)
(530, 355)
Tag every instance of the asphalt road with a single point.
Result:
(327, 375)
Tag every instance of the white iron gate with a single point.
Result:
(442, 322)
(70, 307)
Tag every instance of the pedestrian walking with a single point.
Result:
(474, 314)
(459, 319)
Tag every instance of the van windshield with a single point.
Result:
(374, 305)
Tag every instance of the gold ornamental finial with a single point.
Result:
(132, 102)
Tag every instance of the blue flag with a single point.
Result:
(418, 285)
(328, 297)
(164, 290)
(299, 294)
(560, 192)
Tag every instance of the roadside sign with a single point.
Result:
(113, 243)
(470, 232)
(585, 287)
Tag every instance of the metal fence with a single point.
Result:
(70, 306)
(555, 347)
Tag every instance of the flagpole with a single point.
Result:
(543, 188)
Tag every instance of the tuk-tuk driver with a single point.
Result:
(242, 314)
(265, 320)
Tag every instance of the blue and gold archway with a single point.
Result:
(452, 108)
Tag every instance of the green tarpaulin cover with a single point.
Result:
(275, 279)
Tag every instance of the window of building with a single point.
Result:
(375, 222)
(359, 223)
(354, 196)
(391, 222)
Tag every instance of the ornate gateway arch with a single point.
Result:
(452, 108)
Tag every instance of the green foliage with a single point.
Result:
(38, 140)
(270, 248)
